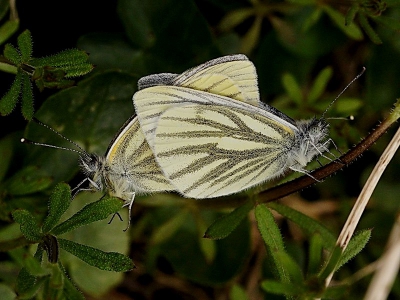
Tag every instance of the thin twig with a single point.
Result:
(388, 267)
(13, 10)
(365, 195)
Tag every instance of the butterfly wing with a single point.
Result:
(152, 102)
(233, 76)
(132, 163)
(230, 77)
(212, 150)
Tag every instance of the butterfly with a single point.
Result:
(211, 135)
(127, 168)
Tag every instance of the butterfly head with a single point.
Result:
(90, 164)
(311, 140)
(317, 130)
(105, 178)
(93, 166)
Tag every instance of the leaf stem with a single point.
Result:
(7, 66)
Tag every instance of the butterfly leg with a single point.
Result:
(337, 159)
(84, 189)
(334, 145)
(304, 172)
(112, 218)
(129, 204)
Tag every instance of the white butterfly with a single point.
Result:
(212, 136)
(127, 168)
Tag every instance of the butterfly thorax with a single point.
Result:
(310, 141)
(104, 177)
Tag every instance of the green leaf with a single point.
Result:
(28, 225)
(27, 97)
(348, 105)
(223, 226)
(368, 29)
(108, 261)
(33, 265)
(71, 57)
(92, 212)
(237, 293)
(252, 36)
(25, 45)
(315, 254)
(12, 54)
(59, 202)
(351, 30)
(356, 244)
(169, 228)
(70, 290)
(351, 13)
(319, 85)
(208, 247)
(292, 88)
(335, 292)
(8, 29)
(10, 99)
(27, 181)
(101, 235)
(272, 238)
(25, 281)
(77, 70)
(27, 284)
(290, 267)
(312, 19)
(309, 225)
(56, 279)
(331, 264)
(7, 293)
(282, 288)
(235, 17)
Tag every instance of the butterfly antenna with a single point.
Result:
(26, 141)
(346, 87)
(80, 151)
(348, 118)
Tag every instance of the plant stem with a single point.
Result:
(365, 195)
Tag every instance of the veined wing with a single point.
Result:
(130, 155)
(151, 103)
(233, 76)
(211, 150)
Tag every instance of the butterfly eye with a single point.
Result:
(90, 163)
